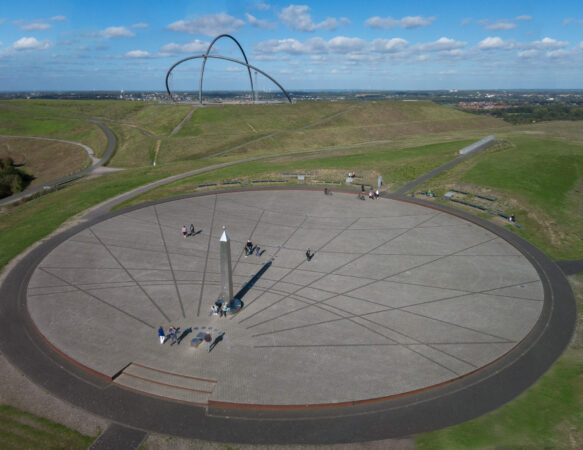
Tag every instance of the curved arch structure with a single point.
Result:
(206, 55)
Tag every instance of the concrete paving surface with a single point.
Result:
(397, 298)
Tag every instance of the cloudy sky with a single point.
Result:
(113, 45)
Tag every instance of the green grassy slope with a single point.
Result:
(537, 175)
(21, 430)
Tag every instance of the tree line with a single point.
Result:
(537, 113)
(12, 179)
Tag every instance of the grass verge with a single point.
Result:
(22, 430)
(548, 415)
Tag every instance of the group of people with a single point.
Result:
(221, 308)
(250, 249)
(374, 194)
(172, 335)
(188, 231)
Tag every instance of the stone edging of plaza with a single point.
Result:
(437, 406)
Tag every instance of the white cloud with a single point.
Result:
(297, 18)
(567, 21)
(532, 53)
(313, 46)
(549, 44)
(195, 46)
(58, 18)
(560, 53)
(262, 6)
(36, 26)
(292, 46)
(31, 43)
(209, 25)
(234, 69)
(502, 24)
(389, 45)
(116, 32)
(466, 21)
(261, 24)
(495, 43)
(406, 22)
(341, 44)
(138, 54)
(523, 18)
(140, 25)
(442, 44)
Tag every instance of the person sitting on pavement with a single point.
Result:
(248, 247)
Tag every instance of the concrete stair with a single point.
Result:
(166, 384)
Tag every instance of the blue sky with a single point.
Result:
(113, 45)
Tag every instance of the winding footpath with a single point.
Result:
(96, 163)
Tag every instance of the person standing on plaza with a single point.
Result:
(161, 334)
(184, 232)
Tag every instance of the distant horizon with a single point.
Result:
(209, 91)
(64, 45)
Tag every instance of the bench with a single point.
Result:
(268, 181)
(490, 199)
(482, 208)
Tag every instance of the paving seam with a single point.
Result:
(206, 260)
(295, 268)
(169, 262)
(86, 292)
(128, 273)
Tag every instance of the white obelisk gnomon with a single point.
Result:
(226, 269)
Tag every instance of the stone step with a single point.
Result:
(172, 379)
(163, 390)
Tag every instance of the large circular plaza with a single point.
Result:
(398, 298)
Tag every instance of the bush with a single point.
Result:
(12, 180)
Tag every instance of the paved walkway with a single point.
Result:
(96, 164)
(398, 298)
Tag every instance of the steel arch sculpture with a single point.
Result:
(206, 55)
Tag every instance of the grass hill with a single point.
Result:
(534, 172)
